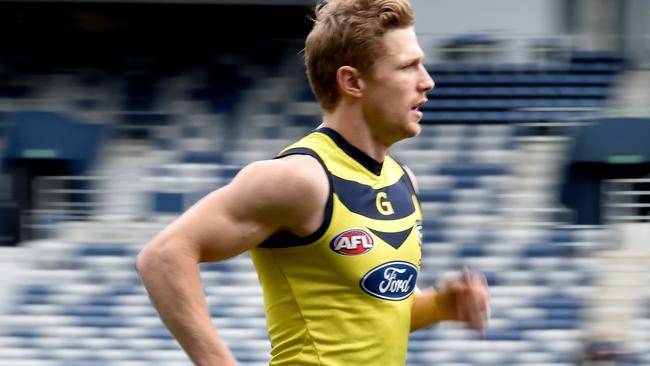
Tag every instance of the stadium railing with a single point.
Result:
(626, 200)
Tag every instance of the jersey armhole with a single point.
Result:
(407, 178)
(410, 183)
(286, 239)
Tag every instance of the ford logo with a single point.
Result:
(390, 281)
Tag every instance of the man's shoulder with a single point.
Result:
(291, 181)
(305, 170)
(292, 190)
(317, 144)
(292, 170)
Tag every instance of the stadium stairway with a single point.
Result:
(620, 314)
(537, 169)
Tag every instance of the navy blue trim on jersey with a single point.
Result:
(362, 199)
(395, 239)
(411, 185)
(286, 239)
(362, 158)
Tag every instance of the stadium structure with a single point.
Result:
(533, 168)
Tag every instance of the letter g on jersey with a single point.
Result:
(383, 205)
(390, 281)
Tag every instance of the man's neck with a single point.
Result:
(353, 127)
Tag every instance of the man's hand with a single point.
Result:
(465, 298)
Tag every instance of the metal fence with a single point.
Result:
(626, 200)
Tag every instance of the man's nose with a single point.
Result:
(427, 83)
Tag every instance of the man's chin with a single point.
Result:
(410, 130)
(415, 129)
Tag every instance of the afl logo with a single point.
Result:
(352, 242)
(390, 281)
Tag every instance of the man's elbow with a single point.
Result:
(153, 256)
(160, 256)
(144, 260)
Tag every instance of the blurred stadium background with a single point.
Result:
(533, 166)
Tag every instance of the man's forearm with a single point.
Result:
(464, 298)
(174, 287)
(429, 308)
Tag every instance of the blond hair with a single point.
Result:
(349, 32)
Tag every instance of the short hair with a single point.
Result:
(349, 32)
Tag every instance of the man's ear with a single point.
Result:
(349, 81)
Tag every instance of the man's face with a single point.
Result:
(396, 87)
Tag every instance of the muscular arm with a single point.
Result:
(287, 194)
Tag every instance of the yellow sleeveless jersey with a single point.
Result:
(342, 296)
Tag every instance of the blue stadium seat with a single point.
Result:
(168, 202)
(441, 195)
(518, 79)
(558, 301)
(104, 250)
(149, 119)
(471, 250)
(469, 169)
(549, 250)
(562, 235)
(203, 157)
(488, 104)
(521, 92)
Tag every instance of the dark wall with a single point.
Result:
(123, 41)
(612, 139)
(50, 35)
(612, 148)
(582, 189)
